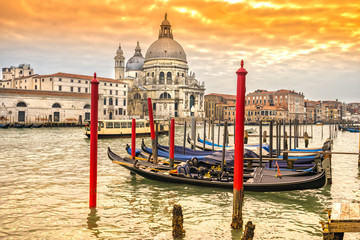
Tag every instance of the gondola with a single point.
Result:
(5, 125)
(37, 125)
(259, 181)
(28, 125)
(18, 125)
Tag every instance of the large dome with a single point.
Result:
(165, 48)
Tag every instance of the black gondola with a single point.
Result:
(5, 125)
(260, 181)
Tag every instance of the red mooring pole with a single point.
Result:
(152, 129)
(172, 142)
(133, 138)
(238, 188)
(93, 140)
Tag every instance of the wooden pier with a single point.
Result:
(343, 217)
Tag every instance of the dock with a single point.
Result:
(343, 217)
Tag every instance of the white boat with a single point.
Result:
(123, 128)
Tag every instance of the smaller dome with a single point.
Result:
(136, 62)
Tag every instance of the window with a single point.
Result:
(105, 84)
(168, 78)
(110, 101)
(60, 88)
(79, 81)
(110, 84)
(161, 78)
(104, 112)
(116, 85)
(87, 106)
(50, 79)
(110, 92)
(86, 82)
(42, 80)
(165, 95)
(71, 80)
(124, 93)
(35, 87)
(137, 96)
(116, 92)
(120, 111)
(71, 89)
(60, 79)
(116, 101)
(124, 86)
(36, 80)
(21, 104)
(104, 101)
(79, 89)
(124, 102)
(56, 105)
(86, 90)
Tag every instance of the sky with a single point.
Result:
(310, 46)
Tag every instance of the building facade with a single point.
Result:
(112, 92)
(163, 76)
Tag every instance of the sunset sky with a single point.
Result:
(307, 46)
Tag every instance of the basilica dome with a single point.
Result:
(165, 46)
(136, 62)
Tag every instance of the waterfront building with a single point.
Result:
(291, 101)
(34, 106)
(162, 76)
(113, 95)
(220, 106)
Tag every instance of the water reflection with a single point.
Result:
(92, 220)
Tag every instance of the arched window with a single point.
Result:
(87, 106)
(21, 104)
(161, 78)
(192, 101)
(104, 101)
(56, 105)
(165, 95)
(168, 78)
(137, 96)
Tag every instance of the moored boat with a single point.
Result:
(5, 125)
(122, 128)
(259, 181)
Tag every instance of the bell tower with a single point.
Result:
(119, 64)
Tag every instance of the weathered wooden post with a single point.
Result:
(359, 151)
(284, 147)
(212, 133)
(265, 133)
(238, 187)
(177, 222)
(271, 142)
(219, 134)
(322, 131)
(246, 137)
(249, 231)
(152, 129)
(260, 142)
(306, 139)
(172, 142)
(285, 141)
(204, 134)
(184, 138)
(277, 138)
(193, 131)
(93, 140)
(223, 149)
(290, 135)
(133, 138)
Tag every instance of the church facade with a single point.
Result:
(162, 75)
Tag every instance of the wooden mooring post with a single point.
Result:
(343, 217)
(184, 138)
(177, 221)
(152, 130)
(238, 187)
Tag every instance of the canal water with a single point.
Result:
(44, 188)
